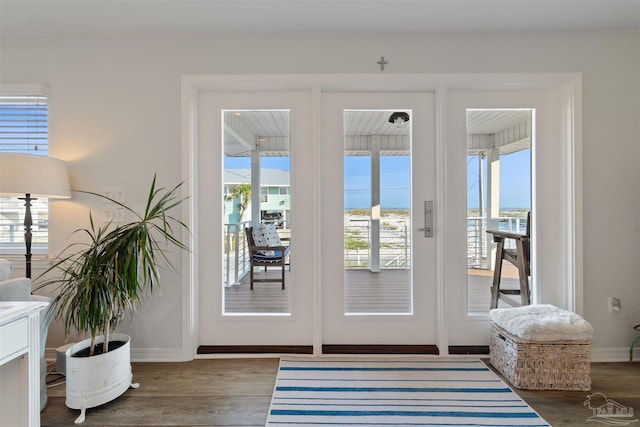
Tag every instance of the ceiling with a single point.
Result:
(505, 129)
(182, 17)
(488, 122)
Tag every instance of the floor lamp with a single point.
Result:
(28, 177)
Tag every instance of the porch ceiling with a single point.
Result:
(508, 130)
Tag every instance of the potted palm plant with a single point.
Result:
(101, 281)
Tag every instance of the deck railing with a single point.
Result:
(395, 244)
(477, 237)
(236, 253)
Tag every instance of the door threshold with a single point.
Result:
(379, 349)
(255, 349)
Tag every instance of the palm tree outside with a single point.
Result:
(242, 193)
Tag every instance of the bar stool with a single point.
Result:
(520, 257)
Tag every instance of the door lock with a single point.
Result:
(428, 219)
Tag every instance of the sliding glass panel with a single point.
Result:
(377, 200)
(498, 196)
(256, 191)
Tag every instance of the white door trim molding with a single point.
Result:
(567, 85)
(440, 221)
(571, 128)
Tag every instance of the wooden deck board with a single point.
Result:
(385, 292)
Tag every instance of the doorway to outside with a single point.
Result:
(378, 288)
(316, 180)
(499, 146)
(256, 189)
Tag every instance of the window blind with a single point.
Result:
(24, 128)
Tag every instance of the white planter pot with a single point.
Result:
(95, 380)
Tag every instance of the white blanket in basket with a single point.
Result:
(542, 322)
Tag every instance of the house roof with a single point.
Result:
(196, 17)
(268, 177)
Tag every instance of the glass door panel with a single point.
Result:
(499, 145)
(377, 220)
(256, 184)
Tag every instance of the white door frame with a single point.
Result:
(568, 87)
(546, 206)
(419, 326)
(216, 325)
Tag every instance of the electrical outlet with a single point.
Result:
(615, 304)
(113, 214)
(114, 193)
(118, 215)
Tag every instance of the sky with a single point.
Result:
(394, 182)
(515, 172)
(515, 180)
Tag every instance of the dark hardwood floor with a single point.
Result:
(237, 392)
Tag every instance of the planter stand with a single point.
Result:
(637, 328)
(95, 380)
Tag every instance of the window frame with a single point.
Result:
(15, 245)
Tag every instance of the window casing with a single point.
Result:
(24, 128)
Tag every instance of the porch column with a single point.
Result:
(374, 256)
(255, 184)
(481, 246)
(493, 201)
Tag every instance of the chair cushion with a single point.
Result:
(270, 256)
(18, 289)
(5, 269)
(272, 236)
(266, 235)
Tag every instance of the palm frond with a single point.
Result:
(102, 281)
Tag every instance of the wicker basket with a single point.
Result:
(541, 365)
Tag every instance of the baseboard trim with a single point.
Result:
(255, 349)
(469, 349)
(157, 355)
(620, 354)
(379, 349)
(609, 354)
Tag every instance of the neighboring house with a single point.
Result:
(274, 192)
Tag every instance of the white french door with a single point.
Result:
(348, 284)
(378, 178)
(468, 304)
(256, 141)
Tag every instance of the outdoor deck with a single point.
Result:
(384, 292)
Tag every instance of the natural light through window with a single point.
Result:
(23, 129)
(257, 212)
(499, 143)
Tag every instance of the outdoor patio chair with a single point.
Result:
(520, 257)
(266, 250)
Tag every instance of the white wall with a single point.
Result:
(115, 117)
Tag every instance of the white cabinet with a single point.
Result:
(20, 363)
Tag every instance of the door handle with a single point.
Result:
(428, 219)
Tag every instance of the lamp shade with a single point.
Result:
(39, 176)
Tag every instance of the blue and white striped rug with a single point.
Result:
(390, 392)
